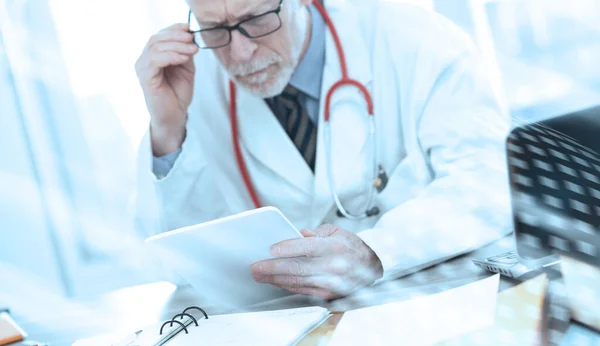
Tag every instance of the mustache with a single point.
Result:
(254, 66)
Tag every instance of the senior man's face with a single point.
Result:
(262, 65)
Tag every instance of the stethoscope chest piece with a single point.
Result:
(369, 213)
(379, 185)
(382, 179)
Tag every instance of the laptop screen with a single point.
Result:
(554, 168)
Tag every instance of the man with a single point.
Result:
(439, 132)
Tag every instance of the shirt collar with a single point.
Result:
(309, 73)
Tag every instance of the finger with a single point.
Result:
(311, 246)
(326, 282)
(176, 27)
(316, 281)
(300, 266)
(307, 233)
(306, 266)
(288, 280)
(161, 60)
(326, 230)
(172, 35)
(314, 291)
(177, 47)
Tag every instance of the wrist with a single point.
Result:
(166, 138)
(169, 123)
(374, 263)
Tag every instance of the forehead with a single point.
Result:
(219, 10)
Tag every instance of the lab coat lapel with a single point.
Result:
(349, 119)
(266, 141)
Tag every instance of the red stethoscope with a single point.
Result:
(345, 81)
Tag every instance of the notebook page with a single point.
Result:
(421, 321)
(266, 328)
(150, 335)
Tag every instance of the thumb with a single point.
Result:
(308, 233)
(325, 230)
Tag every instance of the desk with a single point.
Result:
(152, 303)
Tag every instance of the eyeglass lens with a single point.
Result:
(253, 28)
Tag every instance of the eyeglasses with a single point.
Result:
(254, 27)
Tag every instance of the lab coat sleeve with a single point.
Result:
(461, 132)
(186, 196)
(161, 166)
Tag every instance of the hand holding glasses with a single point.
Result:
(254, 27)
(166, 71)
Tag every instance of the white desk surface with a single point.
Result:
(148, 304)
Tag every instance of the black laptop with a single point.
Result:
(554, 173)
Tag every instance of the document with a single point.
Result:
(9, 331)
(422, 321)
(264, 328)
(216, 257)
(519, 318)
(275, 328)
(581, 282)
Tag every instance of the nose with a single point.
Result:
(241, 47)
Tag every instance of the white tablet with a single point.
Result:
(216, 257)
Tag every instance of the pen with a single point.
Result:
(129, 339)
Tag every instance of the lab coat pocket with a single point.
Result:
(404, 183)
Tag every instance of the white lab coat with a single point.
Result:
(440, 137)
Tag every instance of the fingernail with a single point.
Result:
(257, 277)
(275, 250)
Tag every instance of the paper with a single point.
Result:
(518, 318)
(581, 284)
(421, 321)
(276, 328)
(216, 257)
(9, 331)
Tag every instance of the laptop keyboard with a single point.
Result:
(556, 191)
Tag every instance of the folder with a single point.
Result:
(193, 326)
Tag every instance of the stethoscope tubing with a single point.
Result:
(345, 81)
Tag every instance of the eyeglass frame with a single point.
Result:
(238, 27)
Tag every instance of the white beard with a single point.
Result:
(261, 86)
(264, 85)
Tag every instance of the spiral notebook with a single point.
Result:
(193, 327)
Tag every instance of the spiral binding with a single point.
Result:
(181, 315)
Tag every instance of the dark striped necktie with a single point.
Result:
(294, 118)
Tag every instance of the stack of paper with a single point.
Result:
(265, 328)
(422, 321)
(518, 318)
